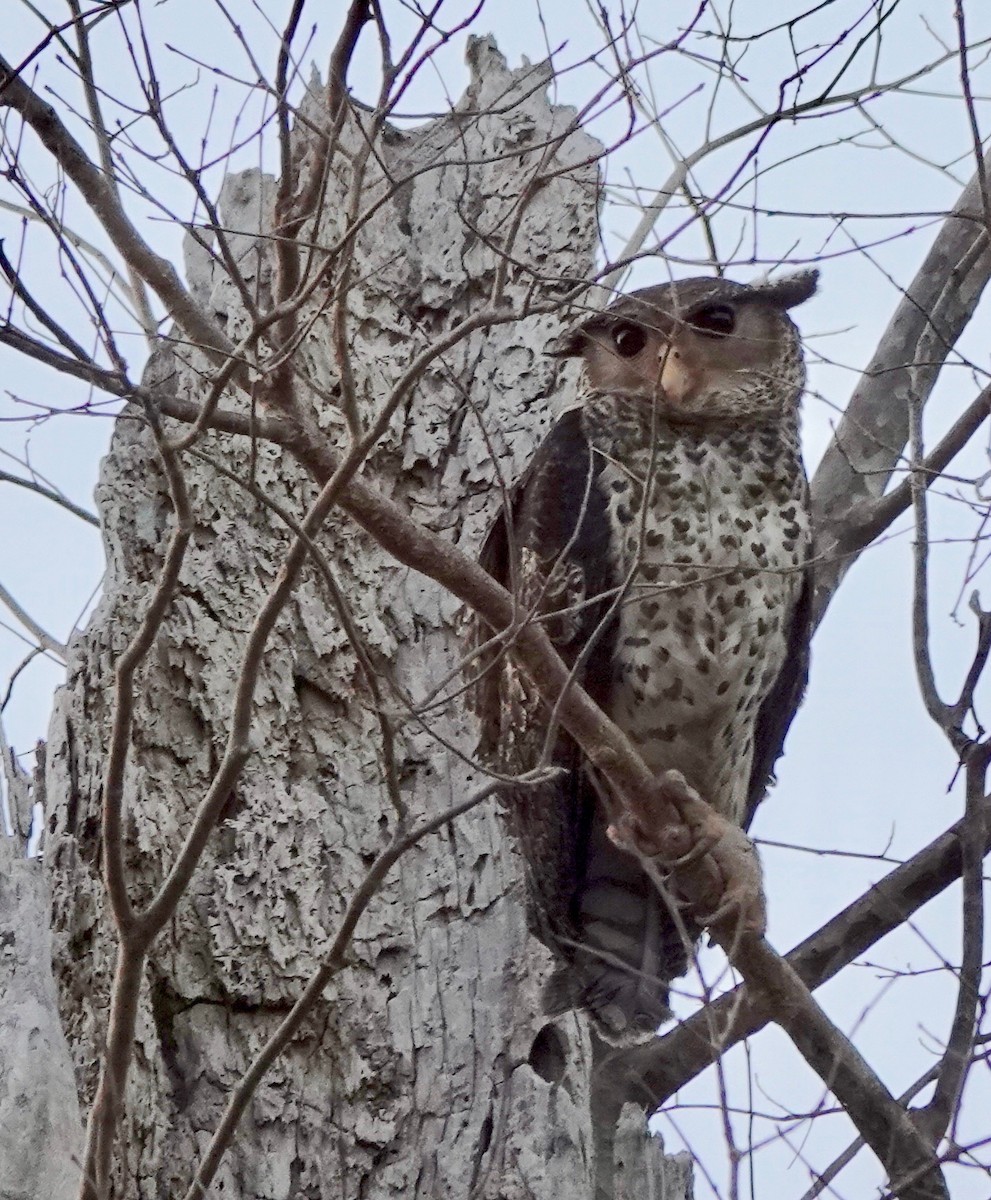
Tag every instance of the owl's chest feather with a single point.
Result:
(710, 536)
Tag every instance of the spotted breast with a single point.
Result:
(709, 529)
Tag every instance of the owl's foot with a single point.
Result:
(710, 862)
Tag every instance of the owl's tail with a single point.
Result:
(629, 945)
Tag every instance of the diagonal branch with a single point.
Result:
(56, 497)
(158, 273)
(41, 636)
(873, 517)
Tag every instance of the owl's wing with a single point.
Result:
(781, 703)
(549, 546)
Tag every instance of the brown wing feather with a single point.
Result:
(549, 545)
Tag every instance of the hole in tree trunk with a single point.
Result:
(548, 1054)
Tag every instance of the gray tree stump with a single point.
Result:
(427, 1070)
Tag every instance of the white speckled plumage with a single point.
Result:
(715, 560)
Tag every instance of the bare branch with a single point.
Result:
(38, 310)
(657, 1071)
(881, 1120)
(678, 177)
(872, 435)
(937, 709)
(934, 1119)
(874, 517)
(78, 242)
(88, 372)
(825, 1178)
(159, 274)
(43, 638)
(292, 209)
(359, 14)
(963, 48)
(85, 61)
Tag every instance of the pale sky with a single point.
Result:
(865, 771)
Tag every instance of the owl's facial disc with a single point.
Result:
(658, 360)
(700, 348)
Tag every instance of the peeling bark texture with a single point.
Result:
(650, 1174)
(428, 1069)
(40, 1130)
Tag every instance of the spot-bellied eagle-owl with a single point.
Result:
(662, 535)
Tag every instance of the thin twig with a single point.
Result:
(69, 237)
(968, 96)
(155, 271)
(39, 311)
(85, 60)
(51, 494)
(42, 636)
(934, 1119)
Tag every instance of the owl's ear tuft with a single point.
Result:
(788, 291)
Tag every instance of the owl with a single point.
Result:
(662, 536)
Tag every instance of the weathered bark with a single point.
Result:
(40, 1130)
(428, 1070)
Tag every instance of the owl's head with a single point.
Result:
(699, 348)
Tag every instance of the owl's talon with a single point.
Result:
(731, 907)
(711, 862)
(699, 850)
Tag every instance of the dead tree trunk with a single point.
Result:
(40, 1133)
(427, 1068)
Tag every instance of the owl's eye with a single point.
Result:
(715, 320)
(629, 340)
